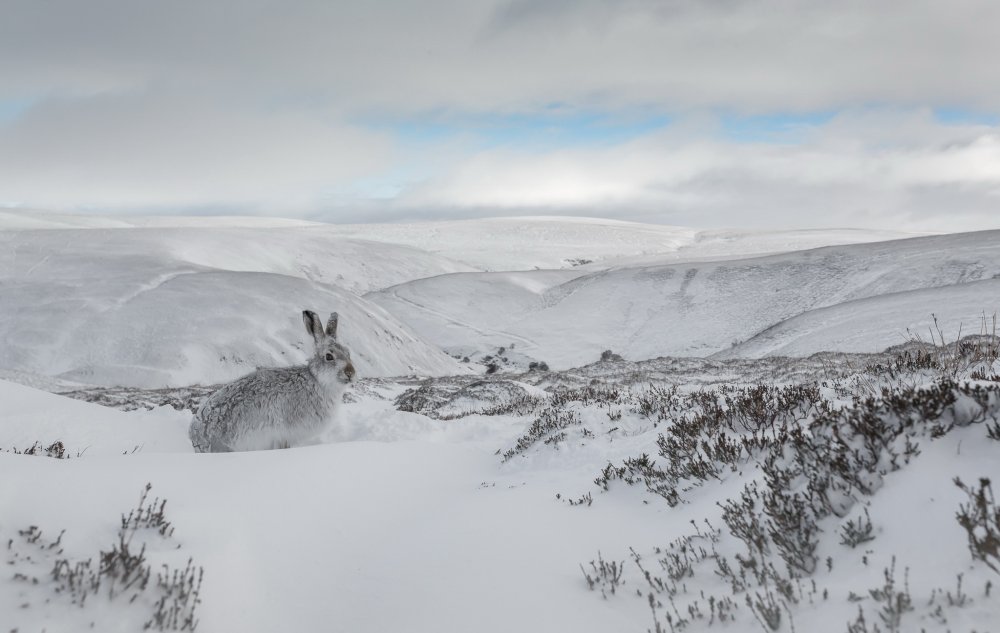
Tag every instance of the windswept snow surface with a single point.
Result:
(875, 323)
(313, 253)
(404, 522)
(140, 328)
(411, 526)
(159, 307)
(703, 308)
(527, 243)
(174, 305)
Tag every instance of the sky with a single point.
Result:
(706, 113)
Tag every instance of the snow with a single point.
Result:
(396, 518)
(151, 308)
(706, 307)
(526, 243)
(416, 521)
(195, 327)
(875, 323)
(313, 253)
(31, 415)
(402, 522)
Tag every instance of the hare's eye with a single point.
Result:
(329, 356)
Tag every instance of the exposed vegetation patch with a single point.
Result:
(128, 576)
(810, 455)
(56, 450)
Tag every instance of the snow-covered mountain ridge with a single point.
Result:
(706, 307)
(167, 302)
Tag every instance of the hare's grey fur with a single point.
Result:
(279, 407)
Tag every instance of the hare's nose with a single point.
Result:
(349, 371)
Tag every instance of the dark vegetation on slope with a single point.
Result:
(812, 440)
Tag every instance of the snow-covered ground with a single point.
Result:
(169, 301)
(706, 307)
(403, 521)
(527, 243)
(444, 500)
(157, 307)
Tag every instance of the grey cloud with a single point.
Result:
(239, 103)
(145, 150)
(914, 172)
(405, 57)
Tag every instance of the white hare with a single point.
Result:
(277, 407)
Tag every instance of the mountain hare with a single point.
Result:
(277, 407)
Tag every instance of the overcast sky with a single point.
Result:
(755, 113)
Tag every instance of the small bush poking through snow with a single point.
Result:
(55, 450)
(857, 531)
(607, 575)
(549, 427)
(981, 519)
(122, 576)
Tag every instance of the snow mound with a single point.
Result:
(32, 416)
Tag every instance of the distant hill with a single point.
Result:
(706, 307)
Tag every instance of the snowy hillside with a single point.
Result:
(416, 515)
(875, 323)
(527, 243)
(156, 307)
(150, 328)
(312, 253)
(139, 307)
(726, 492)
(699, 308)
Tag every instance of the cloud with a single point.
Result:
(405, 57)
(264, 106)
(885, 168)
(167, 151)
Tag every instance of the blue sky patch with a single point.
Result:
(12, 109)
(958, 116)
(772, 128)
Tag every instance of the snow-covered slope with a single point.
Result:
(729, 244)
(160, 327)
(418, 535)
(149, 303)
(694, 309)
(313, 253)
(526, 243)
(31, 416)
(153, 307)
(494, 244)
(423, 525)
(875, 323)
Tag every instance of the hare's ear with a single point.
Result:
(331, 325)
(313, 325)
